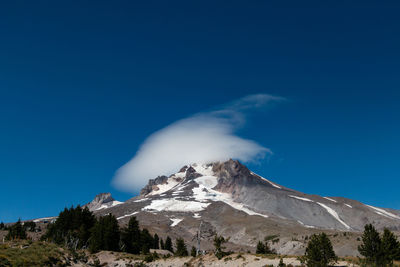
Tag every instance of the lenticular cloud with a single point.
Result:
(201, 138)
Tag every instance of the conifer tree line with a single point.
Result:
(18, 230)
(78, 228)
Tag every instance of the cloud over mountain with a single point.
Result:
(202, 138)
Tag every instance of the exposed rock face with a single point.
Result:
(152, 184)
(227, 198)
(102, 201)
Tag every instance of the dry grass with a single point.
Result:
(28, 253)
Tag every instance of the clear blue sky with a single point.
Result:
(83, 83)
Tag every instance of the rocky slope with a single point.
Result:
(229, 199)
(102, 201)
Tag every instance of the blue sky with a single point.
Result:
(83, 84)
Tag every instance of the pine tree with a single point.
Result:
(181, 249)
(319, 251)
(260, 248)
(219, 248)
(168, 244)
(193, 252)
(2, 226)
(390, 247)
(371, 247)
(16, 231)
(30, 226)
(105, 234)
(72, 227)
(146, 241)
(130, 237)
(281, 264)
(162, 246)
(156, 242)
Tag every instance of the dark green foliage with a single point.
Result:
(147, 241)
(4, 262)
(371, 247)
(16, 231)
(156, 241)
(130, 237)
(263, 248)
(162, 246)
(151, 257)
(2, 226)
(376, 250)
(71, 228)
(168, 244)
(390, 246)
(219, 248)
(193, 252)
(260, 248)
(30, 226)
(181, 249)
(281, 264)
(319, 251)
(105, 234)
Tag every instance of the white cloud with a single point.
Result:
(202, 138)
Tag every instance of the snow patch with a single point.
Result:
(180, 174)
(274, 185)
(334, 214)
(348, 206)
(196, 216)
(307, 226)
(175, 221)
(205, 193)
(301, 198)
(173, 204)
(203, 169)
(44, 219)
(162, 188)
(141, 200)
(107, 205)
(127, 215)
(384, 212)
(330, 199)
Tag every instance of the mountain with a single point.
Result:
(227, 198)
(102, 201)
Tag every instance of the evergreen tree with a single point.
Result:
(371, 247)
(218, 244)
(30, 226)
(168, 244)
(390, 247)
(319, 251)
(260, 248)
(2, 226)
(281, 264)
(16, 231)
(162, 246)
(130, 237)
(71, 228)
(146, 241)
(156, 242)
(105, 234)
(193, 252)
(181, 249)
